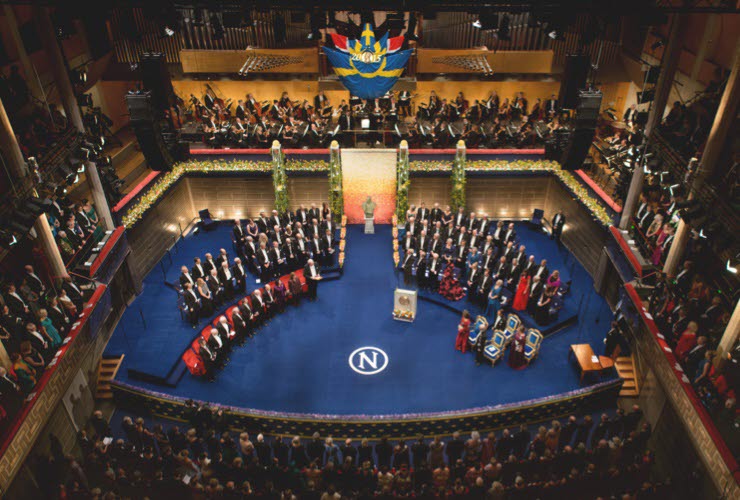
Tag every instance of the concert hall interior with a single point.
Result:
(321, 250)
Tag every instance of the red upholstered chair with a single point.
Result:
(194, 363)
(229, 313)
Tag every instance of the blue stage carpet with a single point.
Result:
(298, 363)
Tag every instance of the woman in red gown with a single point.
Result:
(463, 330)
(516, 353)
(522, 293)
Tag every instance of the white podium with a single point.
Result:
(404, 305)
(369, 225)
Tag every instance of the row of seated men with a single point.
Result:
(268, 247)
(473, 245)
(272, 245)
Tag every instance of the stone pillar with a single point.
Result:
(29, 71)
(729, 338)
(14, 161)
(71, 109)
(675, 253)
(4, 358)
(17, 168)
(710, 157)
(657, 109)
(49, 247)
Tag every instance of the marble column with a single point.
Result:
(721, 127)
(60, 71)
(669, 65)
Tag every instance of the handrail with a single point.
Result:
(685, 383)
(51, 368)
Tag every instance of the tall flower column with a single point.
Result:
(279, 179)
(336, 197)
(402, 182)
(458, 177)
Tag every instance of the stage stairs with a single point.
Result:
(625, 366)
(107, 370)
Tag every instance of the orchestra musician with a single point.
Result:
(490, 122)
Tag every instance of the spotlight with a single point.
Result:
(731, 269)
(104, 161)
(78, 76)
(7, 239)
(477, 24)
(168, 31)
(85, 100)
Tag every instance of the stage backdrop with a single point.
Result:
(369, 172)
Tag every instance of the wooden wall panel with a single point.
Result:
(502, 61)
(230, 61)
(230, 198)
(157, 232)
(430, 190)
(582, 235)
(307, 190)
(506, 197)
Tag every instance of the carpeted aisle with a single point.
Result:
(299, 361)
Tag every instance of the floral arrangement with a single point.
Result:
(279, 179)
(147, 201)
(402, 182)
(395, 244)
(342, 244)
(336, 195)
(341, 259)
(293, 165)
(344, 220)
(458, 178)
(430, 166)
(521, 166)
(396, 258)
(395, 232)
(397, 313)
(343, 233)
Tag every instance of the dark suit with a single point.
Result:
(557, 225)
(312, 284)
(240, 276)
(192, 304)
(186, 278)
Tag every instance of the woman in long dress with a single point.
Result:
(48, 328)
(522, 293)
(494, 300)
(463, 330)
(450, 287)
(516, 353)
(542, 311)
(206, 299)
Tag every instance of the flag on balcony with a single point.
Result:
(366, 67)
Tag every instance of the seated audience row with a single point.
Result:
(579, 458)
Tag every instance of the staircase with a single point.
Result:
(106, 372)
(625, 366)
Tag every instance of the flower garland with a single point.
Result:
(147, 201)
(525, 166)
(457, 197)
(293, 165)
(336, 194)
(279, 179)
(402, 183)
